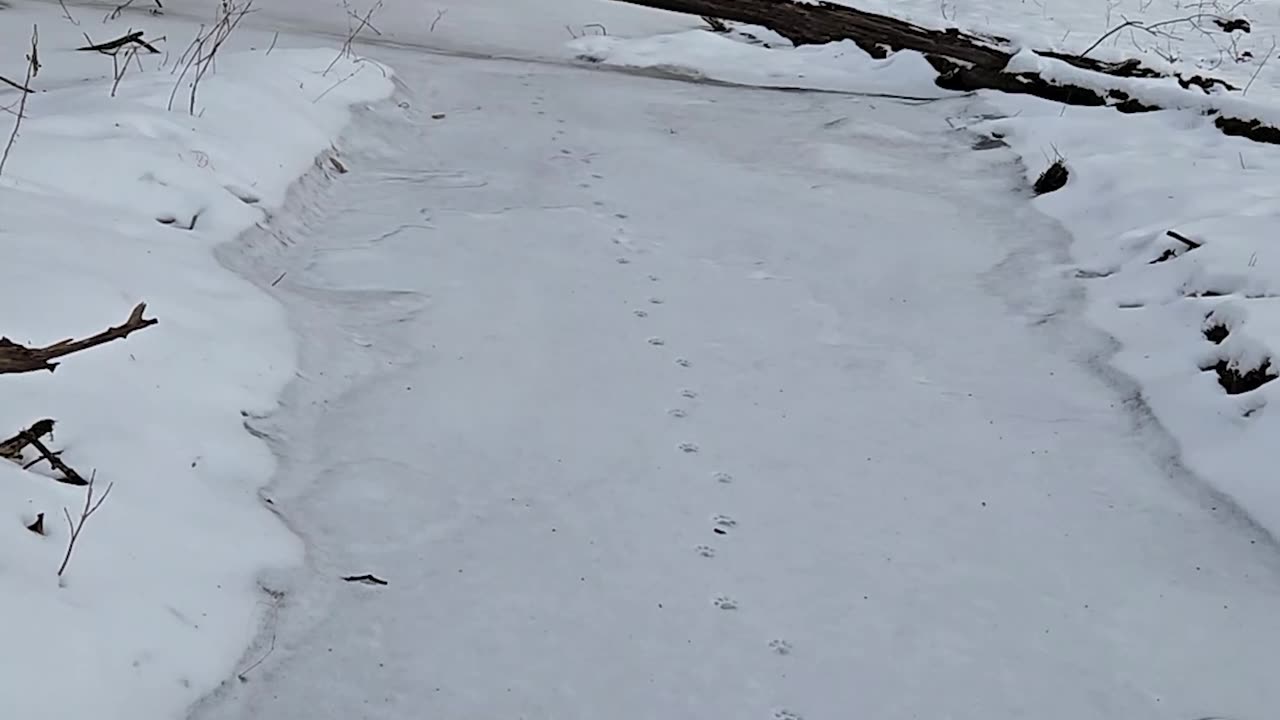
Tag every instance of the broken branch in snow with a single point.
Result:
(1191, 244)
(366, 579)
(111, 47)
(32, 437)
(964, 61)
(12, 447)
(15, 358)
(90, 507)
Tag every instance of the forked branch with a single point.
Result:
(15, 358)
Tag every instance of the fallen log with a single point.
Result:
(964, 61)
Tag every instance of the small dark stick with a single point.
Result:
(367, 579)
(1192, 244)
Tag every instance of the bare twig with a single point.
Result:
(33, 67)
(15, 358)
(201, 55)
(1258, 69)
(243, 675)
(1191, 20)
(67, 13)
(119, 9)
(90, 507)
(439, 14)
(351, 36)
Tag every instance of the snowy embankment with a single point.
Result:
(106, 202)
(1192, 316)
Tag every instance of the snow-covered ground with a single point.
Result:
(161, 594)
(723, 416)
(1133, 179)
(646, 398)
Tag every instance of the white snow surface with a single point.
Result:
(722, 416)
(647, 398)
(161, 594)
(1134, 177)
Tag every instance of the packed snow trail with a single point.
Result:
(657, 400)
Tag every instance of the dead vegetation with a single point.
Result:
(200, 57)
(1053, 178)
(1235, 380)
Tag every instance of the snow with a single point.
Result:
(646, 398)
(1133, 178)
(839, 66)
(722, 416)
(161, 595)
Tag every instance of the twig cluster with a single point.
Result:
(201, 55)
(353, 31)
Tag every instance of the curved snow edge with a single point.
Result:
(107, 201)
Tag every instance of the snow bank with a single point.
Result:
(1134, 177)
(160, 599)
(841, 67)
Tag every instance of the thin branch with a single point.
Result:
(439, 14)
(112, 47)
(90, 507)
(1258, 69)
(33, 67)
(67, 13)
(351, 36)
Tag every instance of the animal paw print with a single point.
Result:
(656, 341)
(724, 602)
(656, 301)
(705, 551)
(724, 521)
(781, 647)
(688, 447)
(722, 477)
(653, 278)
(688, 394)
(640, 313)
(677, 413)
(785, 714)
(684, 362)
(623, 261)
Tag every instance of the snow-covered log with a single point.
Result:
(967, 61)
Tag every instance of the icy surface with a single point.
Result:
(652, 399)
